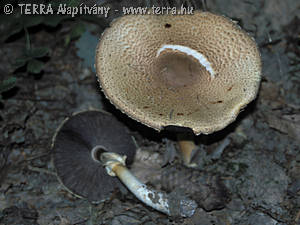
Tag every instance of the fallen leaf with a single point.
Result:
(288, 124)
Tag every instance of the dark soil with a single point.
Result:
(248, 173)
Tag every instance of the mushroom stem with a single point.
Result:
(115, 166)
(187, 148)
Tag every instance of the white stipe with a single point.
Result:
(197, 55)
(156, 199)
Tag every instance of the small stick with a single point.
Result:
(40, 170)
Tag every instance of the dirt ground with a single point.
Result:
(247, 174)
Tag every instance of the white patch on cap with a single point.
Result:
(197, 55)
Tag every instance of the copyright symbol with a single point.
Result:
(8, 9)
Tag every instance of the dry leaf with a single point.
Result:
(288, 124)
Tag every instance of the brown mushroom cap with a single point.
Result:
(195, 71)
(72, 156)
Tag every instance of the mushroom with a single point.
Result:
(92, 146)
(193, 71)
(76, 146)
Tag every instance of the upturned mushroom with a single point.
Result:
(78, 143)
(90, 148)
(193, 71)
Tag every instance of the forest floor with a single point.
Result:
(248, 173)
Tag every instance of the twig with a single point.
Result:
(41, 170)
